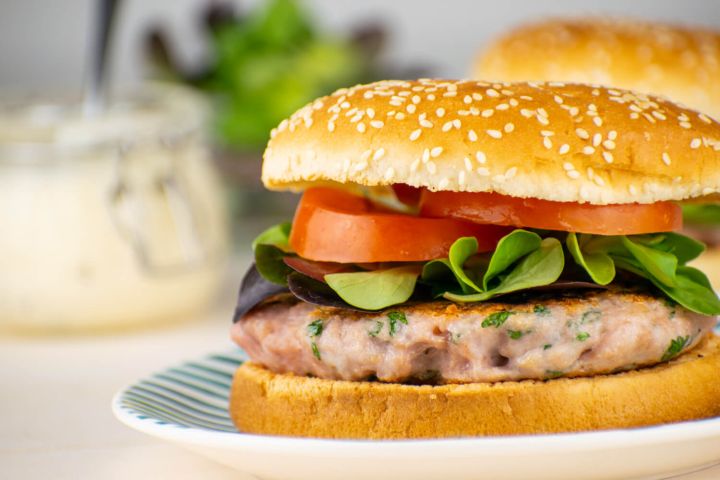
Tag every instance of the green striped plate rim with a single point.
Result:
(191, 395)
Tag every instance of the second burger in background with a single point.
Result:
(680, 63)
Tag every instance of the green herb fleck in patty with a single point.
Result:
(315, 329)
(375, 331)
(676, 346)
(541, 310)
(582, 336)
(496, 319)
(394, 318)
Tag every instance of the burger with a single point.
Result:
(681, 63)
(479, 258)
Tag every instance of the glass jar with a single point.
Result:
(109, 221)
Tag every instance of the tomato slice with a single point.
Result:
(335, 226)
(486, 207)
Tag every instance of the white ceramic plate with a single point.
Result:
(187, 405)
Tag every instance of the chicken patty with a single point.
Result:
(585, 333)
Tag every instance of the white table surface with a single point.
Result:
(55, 418)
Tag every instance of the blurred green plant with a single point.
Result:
(266, 64)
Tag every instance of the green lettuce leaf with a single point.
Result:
(277, 235)
(541, 267)
(375, 290)
(597, 264)
(509, 250)
(660, 265)
(270, 247)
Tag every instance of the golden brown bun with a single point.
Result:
(550, 141)
(681, 63)
(709, 264)
(685, 389)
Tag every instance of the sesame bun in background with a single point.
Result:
(435, 363)
(681, 63)
(551, 141)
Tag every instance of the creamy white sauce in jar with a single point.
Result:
(110, 221)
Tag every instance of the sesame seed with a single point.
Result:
(588, 150)
(483, 171)
(477, 96)
(564, 148)
(666, 158)
(426, 123)
(526, 113)
(345, 105)
(468, 164)
(599, 181)
(360, 167)
(472, 136)
(547, 133)
(634, 115)
(361, 127)
(370, 112)
(461, 178)
(685, 124)
(431, 167)
(695, 143)
(543, 120)
(416, 99)
(389, 173)
(440, 112)
(414, 165)
(396, 103)
(568, 166)
(704, 118)
(597, 138)
(415, 135)
(547, 142)
(650, 118)
(426, 155)
(436, 151)
(573, 174)
(494, 133)
(506, 92)
(491, 92)
(487, 113)
(447, 126)
(449, 94)
(511, 172)
(632, 189)
(658, 115)
(411, 108)
(366, 155)
(379, 153)
(509, 127)
(558, 99)
(456, 123)
(331, 126)
(431, 97)
(443, 183)
(582, 133)
(377, 124)
(543, 112)
(608, 157)
(480, 157)
(635, 108)
(467, 100)
(609, 144)
(597, 121)
(399, 116)
(526, 98)
(612, 134)
(368, 94)
(502, 106)
(451, 87)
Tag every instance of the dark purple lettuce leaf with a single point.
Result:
(253, 290)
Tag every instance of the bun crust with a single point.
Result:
(682, 63)
(685, 389)
(569, 143)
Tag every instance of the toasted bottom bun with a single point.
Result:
(685, 389)
(709, 263)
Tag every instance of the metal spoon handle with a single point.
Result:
(96, 73)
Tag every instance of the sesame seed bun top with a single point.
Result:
(680, 63)
(574, 143)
